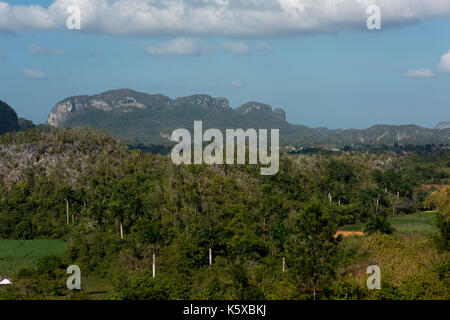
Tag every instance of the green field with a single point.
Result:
(17, 254)
(418, 222)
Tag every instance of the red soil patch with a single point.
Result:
(348, 233)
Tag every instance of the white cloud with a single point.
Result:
(237, 84)
(17, 17)
(35, 49)
(235, 47)
(192, 47)
(179, 47)
(243, 18)
(420, 73)
(32, 74)
(264, 46)
(444, 64)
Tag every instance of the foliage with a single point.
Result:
(48, 280)
(442, 199)
(250, 223)
(378, 223)
(411, 270)
(312, 250)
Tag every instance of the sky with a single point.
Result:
(315, 59)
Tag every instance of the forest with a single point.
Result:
(140, 227)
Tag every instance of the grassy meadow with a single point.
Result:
(421, 222)
(18, 254)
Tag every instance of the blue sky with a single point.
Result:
(346, 78)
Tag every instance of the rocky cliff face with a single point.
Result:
(149, 119)
(61, 112)
(443, 125)
(125, 100)
(257, 107)
(201, 100)
(252, 107)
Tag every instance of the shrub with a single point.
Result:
(378, 223)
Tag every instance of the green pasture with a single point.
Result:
(421, 222)
(17, 254)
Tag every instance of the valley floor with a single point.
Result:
(405, 255)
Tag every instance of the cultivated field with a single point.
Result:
(421, 222)
(17, 254)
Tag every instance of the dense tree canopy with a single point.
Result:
(117, 208)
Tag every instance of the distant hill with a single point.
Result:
(9, 122)
(141, 118)
(389, 135)
(8, 118)
(443, 125)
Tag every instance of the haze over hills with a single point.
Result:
(443, 125)
(150, 119)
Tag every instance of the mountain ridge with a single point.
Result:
(127, 98)
(443, 125)
(149, 119)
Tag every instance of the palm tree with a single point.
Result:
(117, 208)
(69, 195)
(209, 235)
(150, 234)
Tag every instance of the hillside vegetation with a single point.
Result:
(117, 209)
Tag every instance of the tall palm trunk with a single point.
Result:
(314, 286)
(67, 210)
(154, 265)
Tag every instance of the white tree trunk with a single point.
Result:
(67, 210)
(314, 286)
(210, 256)
(121, 231)
(154, 265)
(284, 264)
